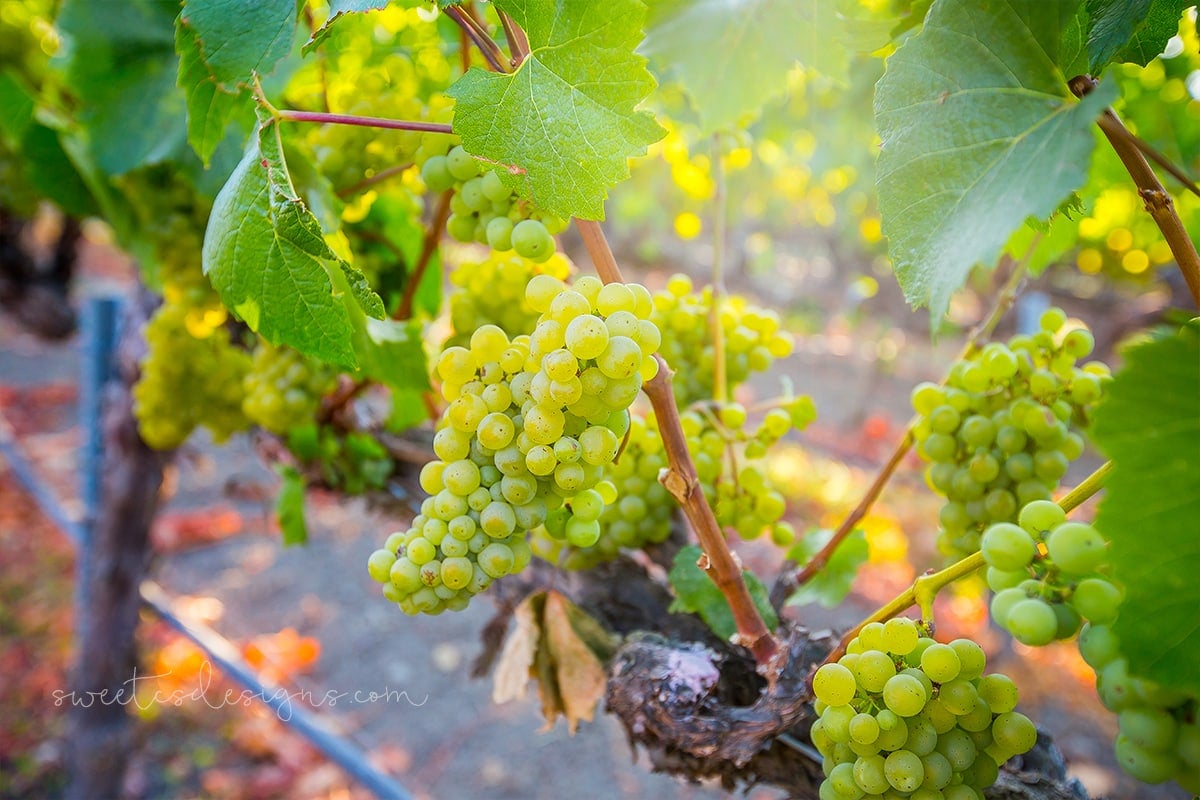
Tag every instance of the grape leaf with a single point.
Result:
(238, 39)
(1131, 30)
(1072, 47)
(122, 67)
(339, 9)
(564, 121)
(209, 107)
(580, 675)
(979, 132)
(734, 57)
(289, 507)
(513, 667)
(1149, 425)
(16, 108)
(265, 255)
(697, 594)
(831, 585)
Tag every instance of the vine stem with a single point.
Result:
(371, 180)
(482, 39)
(679, 478)
(720, 384)
(291, 115)
(433, 235)
(925, 588)
(791, 580)
(1155, 197)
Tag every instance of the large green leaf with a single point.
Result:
(265, 255)
(239, 39)
(1131, 30)
(696, 593)
(1149, 425)
(979, 132)
(122, 67)
(209, 107)
(564, 122)
(732, 57)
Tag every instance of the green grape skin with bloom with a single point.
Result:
(901, 713)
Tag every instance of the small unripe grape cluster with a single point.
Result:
(171, 215)
(752, 337)
(728, 457)
(903, 715)
(349, 461)
(1159, 728)
(283, 387)
(484, 209)
(191, 374)
(1048, 575)
(492, 292)
(999, 433)
(531, 424)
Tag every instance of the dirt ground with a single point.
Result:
(443, 737)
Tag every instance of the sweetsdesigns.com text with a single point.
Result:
(138, 691)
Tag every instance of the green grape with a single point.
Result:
(1032, 622)
(1008, 547)
(1077, 548)
(531, 240)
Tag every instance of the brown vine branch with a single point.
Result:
(433, 235)
(789, 581)
(680, 480)
(1156, 198)
(926, 586)
(518, 42)
(482, 39)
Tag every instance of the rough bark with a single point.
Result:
(100, 731)
(696, 705)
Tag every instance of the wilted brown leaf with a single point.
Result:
(514, 666)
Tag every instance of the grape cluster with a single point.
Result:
(728, 458)
(172, 217)
(1048, 575)
(345, 154)
(492, 292)
(192, 373)
(284, 387)
(637, 508)
(752, 338)
(903, 715)
(999, 433)
(1159, 728)
(530, 426)
(484, 209)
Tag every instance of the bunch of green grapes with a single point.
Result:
(484, 209)
(637, 508)
(172, 216)
(492, 292)
(752, 338)
(1048, 575)
(283, 387)
(192, 373)
(530, 426)
(1159, 728)
(903, 715)
(729, 464)
(999, 433)
(349, 461)
(345, 154)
